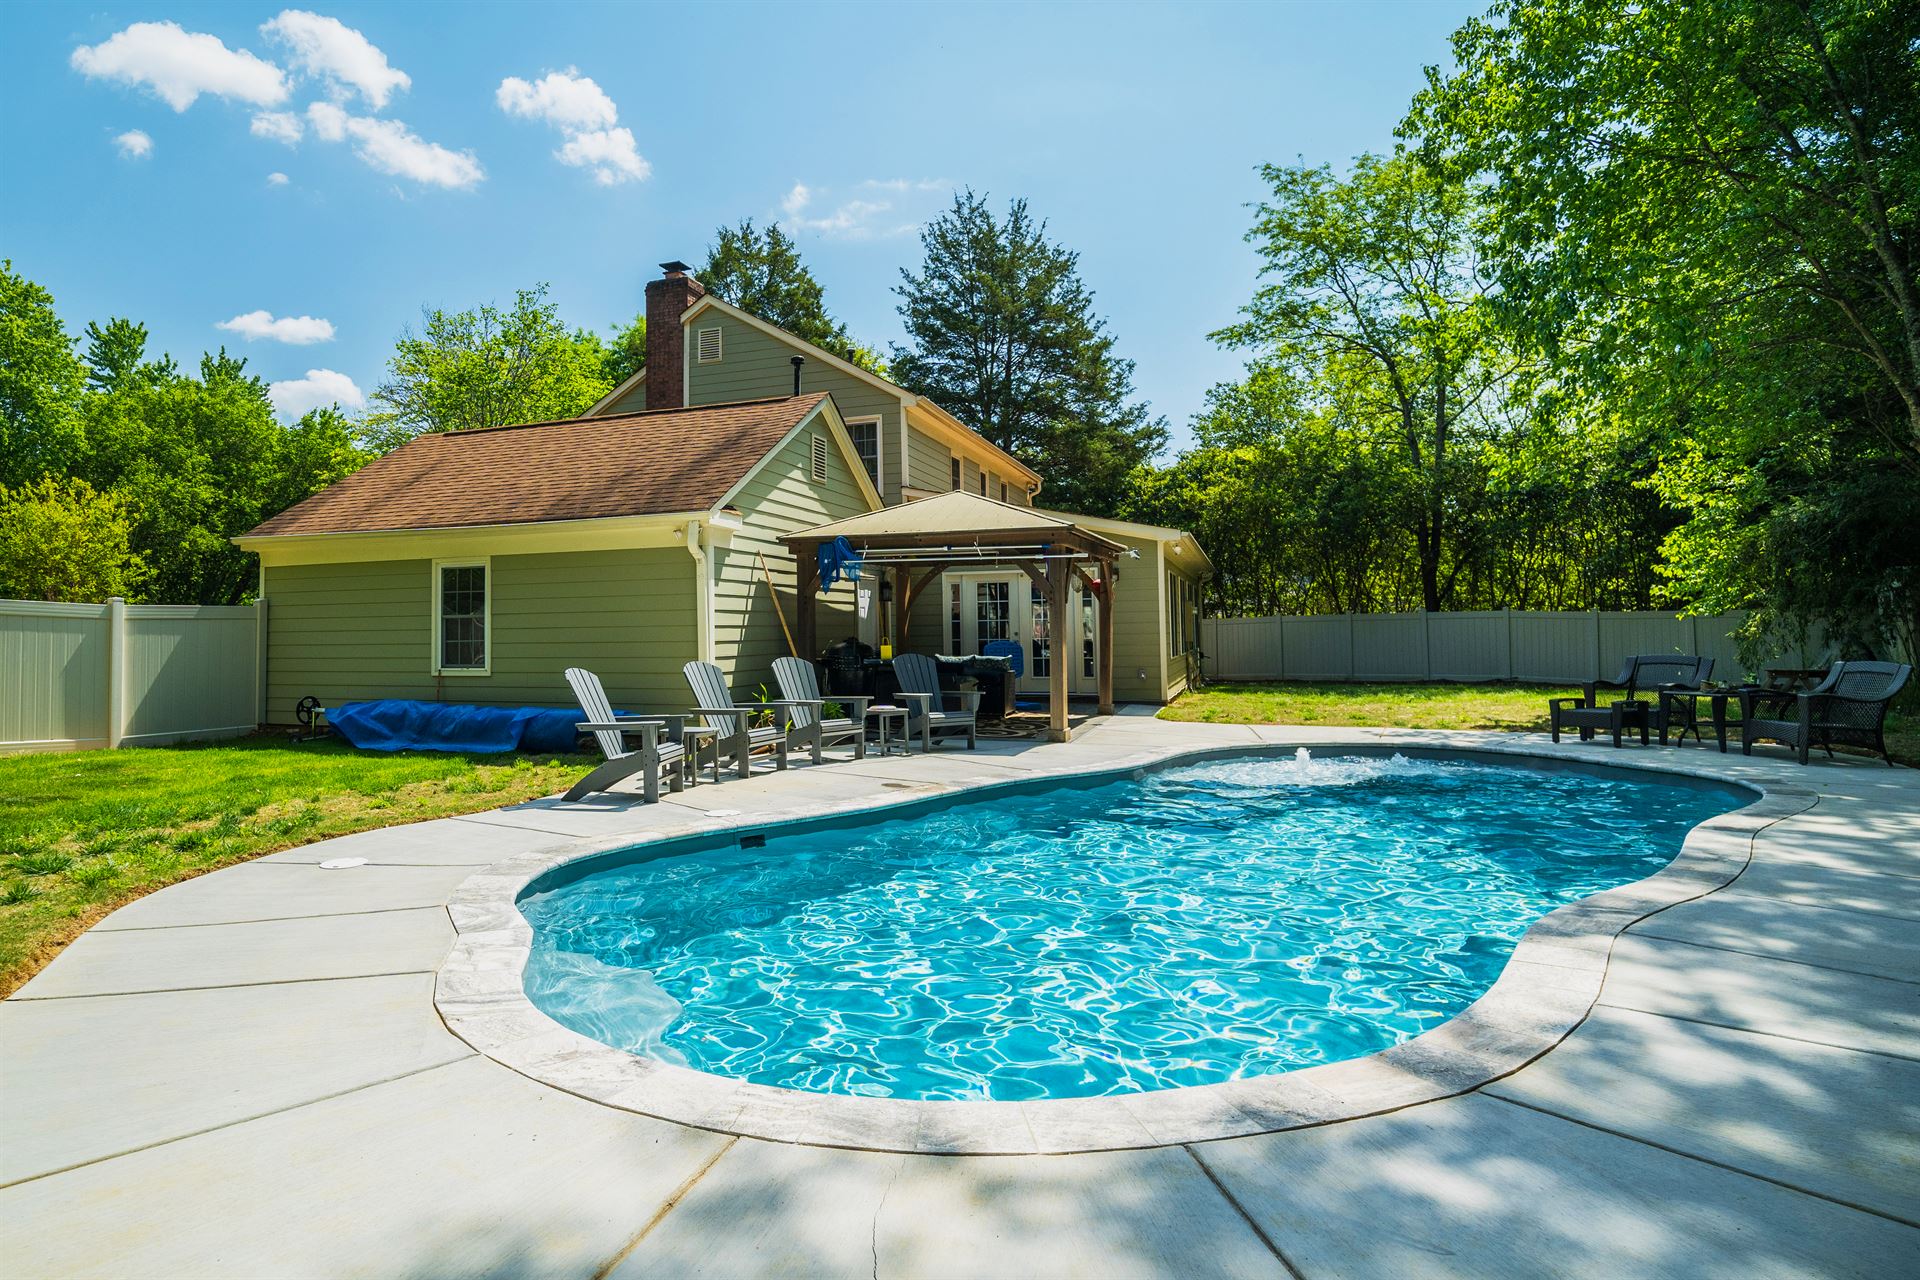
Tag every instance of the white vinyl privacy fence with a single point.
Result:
(1495, 644)
(74, 676)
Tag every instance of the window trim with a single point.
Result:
(958, 474)
(485, 565)
(878, 423)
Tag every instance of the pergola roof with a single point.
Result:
(915, 542)
(960, 520)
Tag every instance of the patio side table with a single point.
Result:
(887, 715)
(1717, 702)
(699, 738)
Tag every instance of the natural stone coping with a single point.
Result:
(1544, 993)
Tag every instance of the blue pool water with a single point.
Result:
(1230, 918)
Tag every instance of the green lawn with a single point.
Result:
(83, 832)
(1421, 706)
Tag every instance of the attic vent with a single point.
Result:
(819, 459)
(707, 346)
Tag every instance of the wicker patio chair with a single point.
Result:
(1848, 708)
(1643, 674)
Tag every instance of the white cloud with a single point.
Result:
(609, 152)
(585, 116)
(329, 122)
(856, 218)
(179, 66)
(134, 144)
(281, 126)
(319, 388)
(564, 99)
(297, 331)
(388, 145)
(277, 179)
(328, 49)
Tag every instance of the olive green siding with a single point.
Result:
(1138, 614)
(929, 463)
(1183, 656)
(633, 401)
(753, 365)
(349, 632)
(781, 497)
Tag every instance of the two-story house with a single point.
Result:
(475, 566)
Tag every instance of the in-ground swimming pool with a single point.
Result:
(1206, 922)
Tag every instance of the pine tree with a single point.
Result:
(1003, 334)
(761, 272)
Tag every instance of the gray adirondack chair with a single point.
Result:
(648, 760)
(736, 737)
(800, 686)
(926, 714)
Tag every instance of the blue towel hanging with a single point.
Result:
(838, 559)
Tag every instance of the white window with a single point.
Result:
(462, 614)
(818, 459)
(992, 611)
(1040, 664)
(707, 346)
(956, 472)
(865, 433)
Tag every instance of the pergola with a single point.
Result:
(916, 542)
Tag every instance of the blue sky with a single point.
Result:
(311, 178)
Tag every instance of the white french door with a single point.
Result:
(987, 607)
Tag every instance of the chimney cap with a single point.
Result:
(675, 268)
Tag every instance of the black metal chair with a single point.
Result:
(1848, 708)
(1643, 674)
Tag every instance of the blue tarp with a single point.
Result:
(393, 724)
(838, 559)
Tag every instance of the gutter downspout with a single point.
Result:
(702, 591)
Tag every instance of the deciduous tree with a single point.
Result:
(486, 367)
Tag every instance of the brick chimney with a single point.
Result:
(667, 300)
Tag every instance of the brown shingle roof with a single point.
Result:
(625, 464)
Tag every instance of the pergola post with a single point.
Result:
(1103, 645)
(902, 605)
(1059, 576)
(806, 581)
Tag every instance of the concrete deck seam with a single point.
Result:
(1755, 1031)
(512, 826)
(1246, 1217)
(17, 998)
(1819, 906)
(660, 1215)
(229, 1124)
(267, 861)
(1706, 1160)
(1634, 931)
(221, 924)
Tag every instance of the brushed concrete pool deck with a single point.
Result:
(245, 1075)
